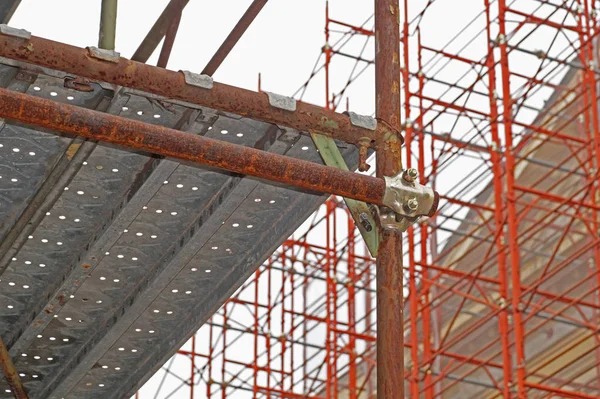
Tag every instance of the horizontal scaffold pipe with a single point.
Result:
(170, 84)
(172, 143)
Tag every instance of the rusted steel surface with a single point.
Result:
(158, 30)
(170, 84)
(173, 143)
(167, 47)
(390, 293)
(12, 377)
(234, 37)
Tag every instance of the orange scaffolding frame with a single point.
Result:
(503, 285)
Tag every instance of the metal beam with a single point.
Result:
(363, 219)
(158, 30)
(167, 47)
(170, 84)
(390, 293)
(234, 37)
(173, 143)
(12, 377)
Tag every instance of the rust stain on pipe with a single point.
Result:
(170, 84)
(173, 143)
(390, 292)
(10, 372)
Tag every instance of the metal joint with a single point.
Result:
(364, 121)
(79, 84)
(104, 55)
(14, 32)
(198, 80)
(407, 201)
(282, 102)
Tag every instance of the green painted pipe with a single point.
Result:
(108, 24)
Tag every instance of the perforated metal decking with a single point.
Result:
(111, 259)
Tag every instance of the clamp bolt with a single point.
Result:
(364, 221)
(412, 204)
(411, 175)
(408, 201)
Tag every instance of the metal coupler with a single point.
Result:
(406, 201)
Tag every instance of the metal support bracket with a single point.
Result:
(282, 102)
(360, 211)
(198, 80)
(104, 55)
(14, 32)
(363, 121)
(407, 201)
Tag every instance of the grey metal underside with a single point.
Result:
(111, 259)
(7, 9)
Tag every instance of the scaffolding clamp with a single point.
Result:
(7, 30)
(406, 201)
(281, 102)
(198, 80)
(364, 121)
(104, 54)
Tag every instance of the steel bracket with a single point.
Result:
(361, 212)
(363, 121)
(406, 201)
(282, 102)
(14, 32)
(104, 55)
(198, 80)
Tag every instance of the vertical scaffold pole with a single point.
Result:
(390, 334)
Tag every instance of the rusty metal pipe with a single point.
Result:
(185, 146)
(390, 292)
(167, 47)
(10, 372)
(158, 30)
(172, 85)
(234, 37)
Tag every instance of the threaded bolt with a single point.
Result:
(364, 221)
(412, 204)
(411, 174)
